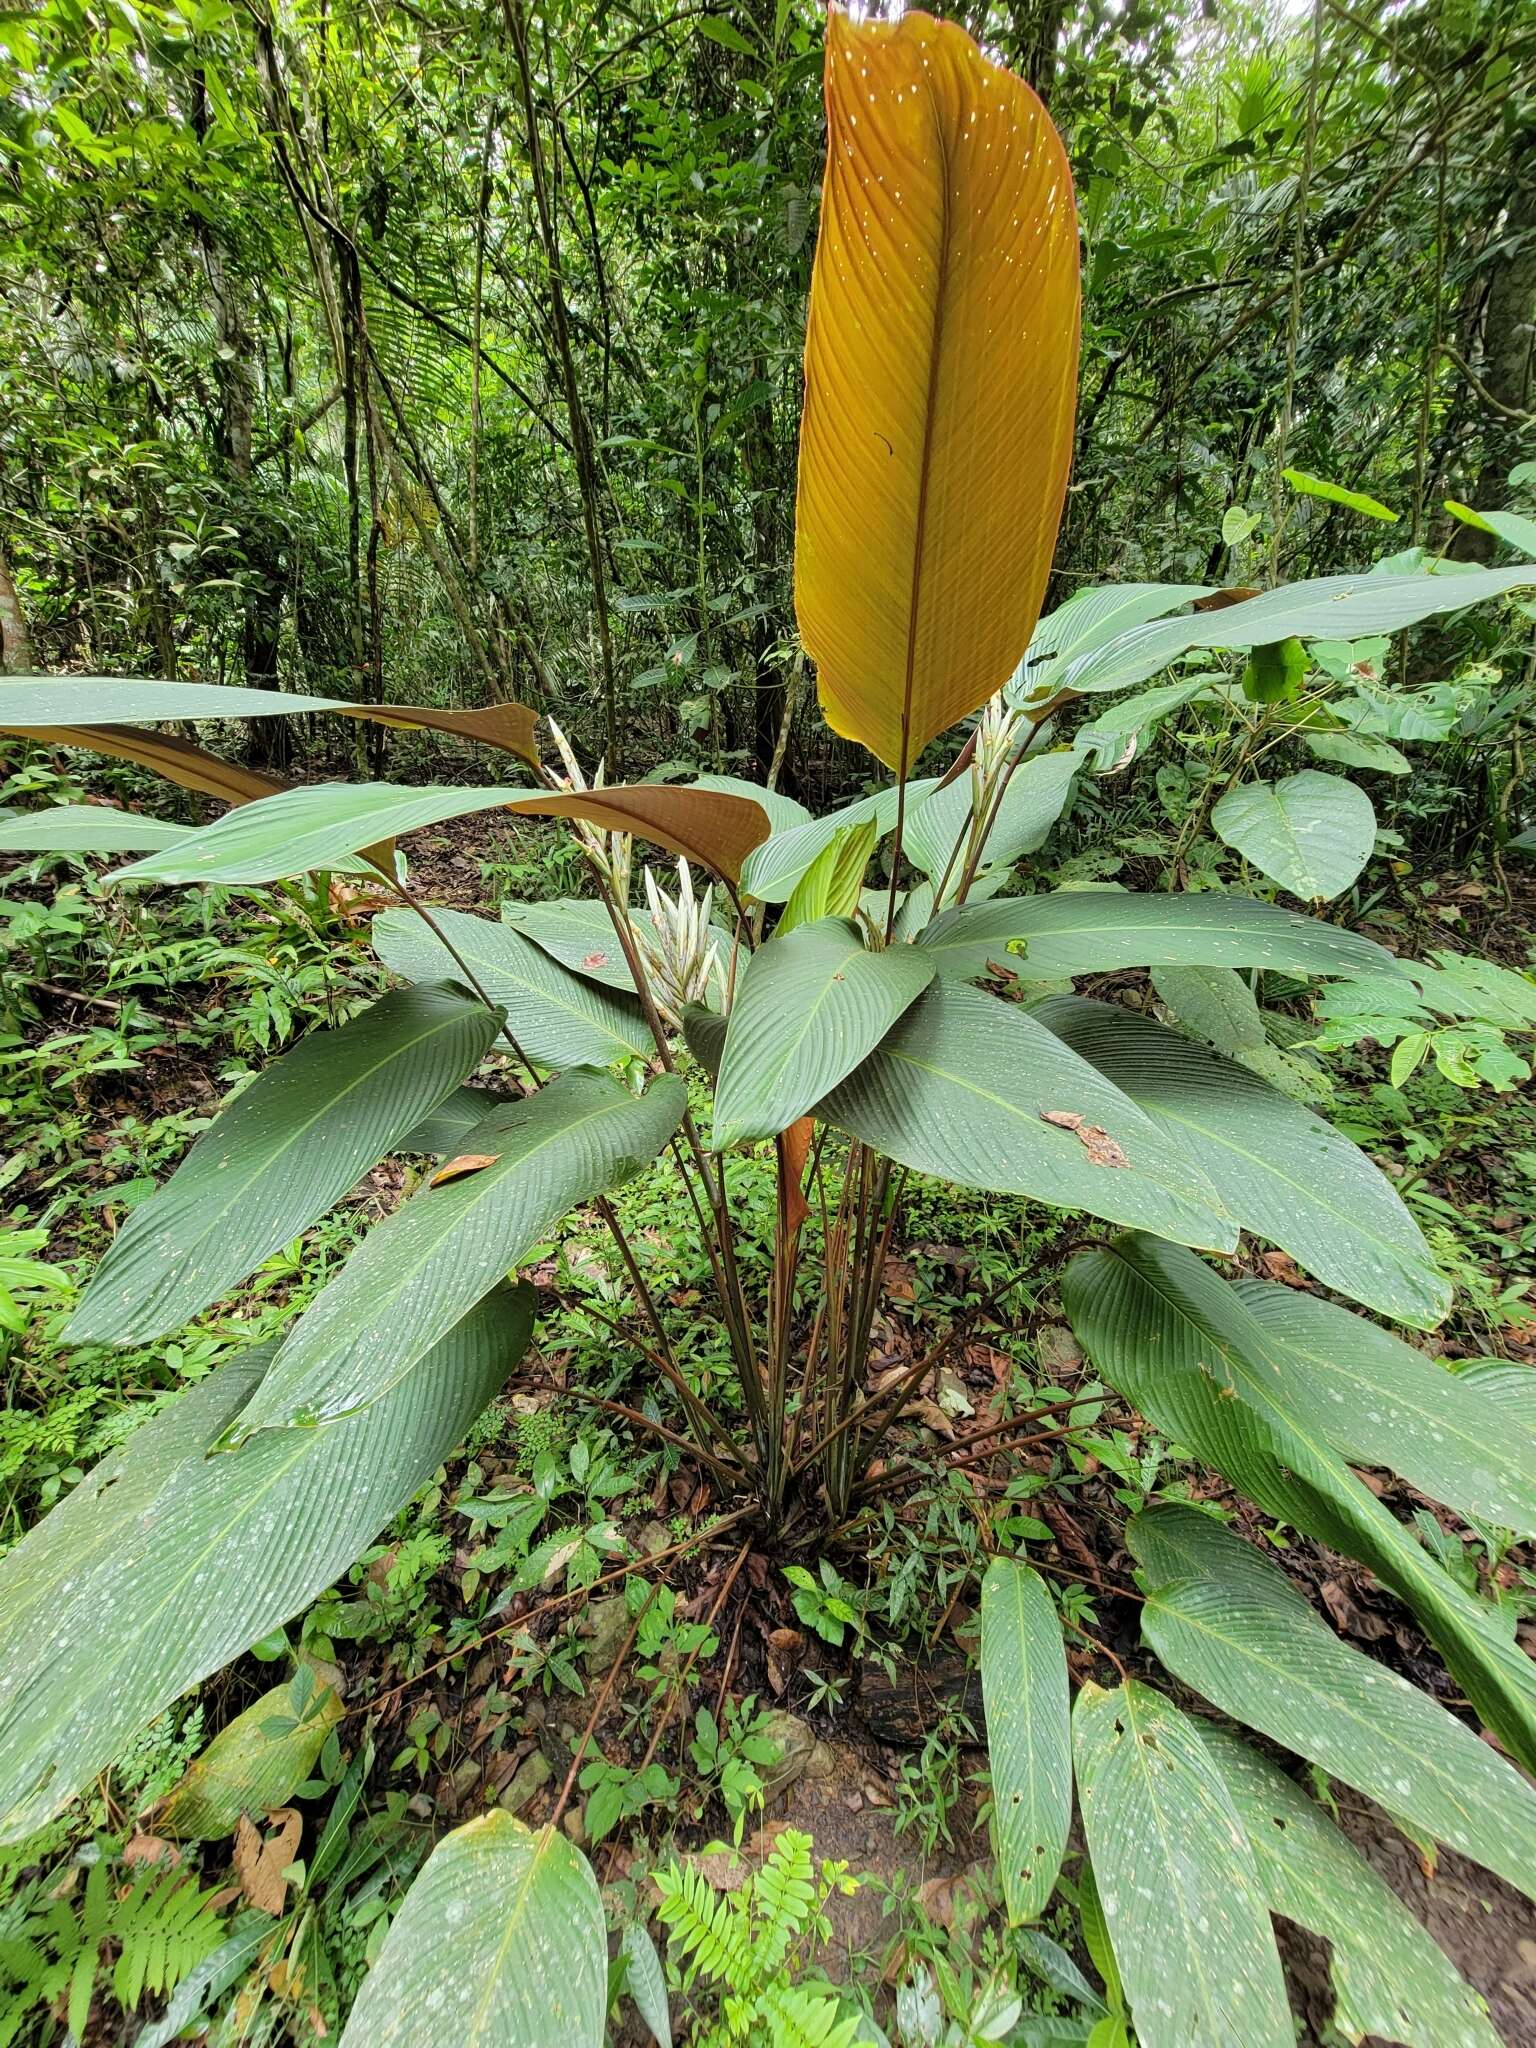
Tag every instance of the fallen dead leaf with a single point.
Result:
(1349, 1615)
(143, 1848)
(1282, 1267)
(260, 1860)
(784, 1647)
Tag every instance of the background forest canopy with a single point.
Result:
(442, 354)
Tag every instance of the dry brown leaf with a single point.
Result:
(260, 1860)
(784, 1647)
(930, 1415)
(1282, 1267)
(142, 1848)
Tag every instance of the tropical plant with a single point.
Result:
(844, 1025)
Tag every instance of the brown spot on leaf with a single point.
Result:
(467, 1162)
(594, 960)
(1101, 1148)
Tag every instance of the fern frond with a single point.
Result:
(166, 1926)
(802, 2016)
(710, 1928)
(783, 1898)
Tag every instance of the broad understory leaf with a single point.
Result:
(1310, 833)
(277, 1157)
(558, 1019)
(941, 359)
(1092, 931)
(1383, 1402)
(164, 1563)
(1187, 1351)
(973, 1090)
(1091, 619)
(35, 703)
(500, 1943)
(178, 760)
(1181, 1892)
(255, 1763)
(425, 1265)
(29, 703)
(297, 830)
(1324, 608)
(86, 828)
(579, 933)
(1216, 1004)
(772, 870)
(645, 1981)
(1238, 1633)
(1110, 739)
(1029, 1738)
(832, 886)
(1389, 1978)
(446, 1127)
(714, 827)
(782, 811)
(1358, 750)
(808, 1008)
(1036, 796)
(1280, 1170)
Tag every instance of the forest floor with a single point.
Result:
(476, 1671)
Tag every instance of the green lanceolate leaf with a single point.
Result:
(1087, 621)
(318, 826)
(1240, 1637)
(420, 1269)
(1358, 750)
(1385, 1403)
(558, 1019)
(831, 886)
(579, 934)
(1034, 799)
(646, 1981)
(283, 1151)
(1187, 1351)
(1180, 1889)
(86, 828)
(1389, 1979)
(164, 1563)
(1311, 833)
(1324, 608)
(974, 1090)
(1091, 931)
(41, 701)
(771, 870)
(445, 1128)
(1279, 1169)
(1338, 494)
(255, 1763)
(782, 812)
(1029, 1741)
(809, 1008)
(500, 1943)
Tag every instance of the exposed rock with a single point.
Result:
(530, 1777)
(607, 1624)
(795, 1743)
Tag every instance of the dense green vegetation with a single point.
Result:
(951, 1221)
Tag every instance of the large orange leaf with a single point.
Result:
(941, 374)
(178, 760)
(710, 826)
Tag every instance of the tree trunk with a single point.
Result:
(15, 640)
